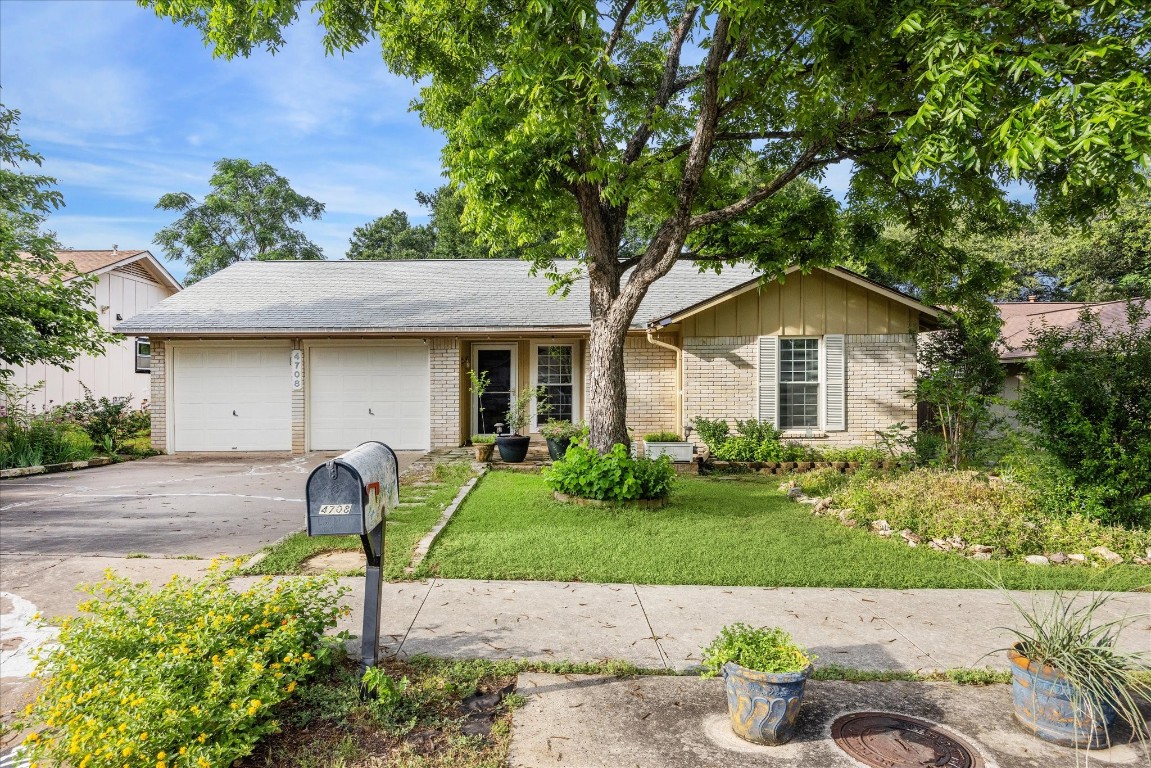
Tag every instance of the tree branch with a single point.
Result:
(617, 31)
(805, 162)
(739, 136)
(666, 86)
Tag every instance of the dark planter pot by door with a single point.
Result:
(558, 447)
(513, 448)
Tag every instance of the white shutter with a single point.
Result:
(768, 379)
(835, 398)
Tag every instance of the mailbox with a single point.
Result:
(351, 495)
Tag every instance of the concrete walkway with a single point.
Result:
(665, 627)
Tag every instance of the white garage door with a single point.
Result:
(368, 392)
(236, 397)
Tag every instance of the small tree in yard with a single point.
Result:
(1087, 393)
(627, 133)
(959, 378)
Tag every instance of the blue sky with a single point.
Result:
(125, 106)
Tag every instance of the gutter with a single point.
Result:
(678, 374)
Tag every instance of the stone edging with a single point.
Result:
(98, 461)
(425, 544)
(580, 501)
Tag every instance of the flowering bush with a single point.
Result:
(184, 675)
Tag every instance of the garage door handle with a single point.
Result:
(235, 414)
(370, 412)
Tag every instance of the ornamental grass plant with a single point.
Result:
(186, 675)
(1066, 635)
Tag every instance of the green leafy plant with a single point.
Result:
(110, 423)
(1064, 634)
(713, 433)
(386, 696)
(30, 439)
(186, 674)
(519, 409)
(663, 437)
(861, 454)
(763, 649)
(479, 381)
(561, 429)
(483, 439)
(758, 431)
(611, 476)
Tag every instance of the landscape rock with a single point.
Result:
(1037, 560)
(822, 506)
(981, 549)
(794, 493)
(911, 538)
(980, 556)
(1059, 559)
(882, 527)
(1105, 554)
(1141, 561)
(1077, 558)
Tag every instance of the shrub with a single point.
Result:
(737, 448)
(766, 649)
(483, 439)
(980, 510)
(1088, 394)
(110, 423)
(663, 437)
(825, 481)
(561, 429)
(712, 433)
(187, 674)
(28, 439)
(861, 454)
(612, 476)
(758, 431)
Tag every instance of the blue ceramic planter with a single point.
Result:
(764, 707)
(1043, 705)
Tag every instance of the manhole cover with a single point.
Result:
(884, 740)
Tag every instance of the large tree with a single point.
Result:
(391, 237)
(629, 131)
(47, 310)
(248, 215)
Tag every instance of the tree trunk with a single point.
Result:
(607, 393)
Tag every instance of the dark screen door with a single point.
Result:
(493, 406)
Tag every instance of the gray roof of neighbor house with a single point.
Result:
(396, 297)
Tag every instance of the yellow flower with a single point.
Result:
(161, 755)
(183, 750)
(126, 751)
(291, 686)
(32, 738)
(202, 738)
(143, 737)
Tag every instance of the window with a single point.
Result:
(798, 383)
(143, 355)
(555, 373)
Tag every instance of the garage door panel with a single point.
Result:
(231, 398)
(359, 393)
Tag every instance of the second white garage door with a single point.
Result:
(368, 392)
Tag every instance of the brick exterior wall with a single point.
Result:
(720, 377)
(651, 378)
(158, 402)
(721, 380)
(880, 368)
(444, 359)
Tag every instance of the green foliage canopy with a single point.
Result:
(47, 311)
(248, 215)
(390, 237)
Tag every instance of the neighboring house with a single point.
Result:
(303, 356)
(1022, 318)
(129, 282)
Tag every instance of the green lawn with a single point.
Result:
(726, 532)
(406, 526)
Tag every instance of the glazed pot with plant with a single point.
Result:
(1070, 682)
(559, 434)
(513, 446)
(484, 445)
(764, 673)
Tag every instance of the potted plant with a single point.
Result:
(668, 444)
(484, 445)
(513, 446)
(764, 672)
(559, 434)
(1069, 681)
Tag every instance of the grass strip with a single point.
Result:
(713, 532)
(405, 527)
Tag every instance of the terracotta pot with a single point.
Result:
(484, 451)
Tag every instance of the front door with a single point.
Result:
(498, 361)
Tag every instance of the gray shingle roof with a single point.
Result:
(401, 297)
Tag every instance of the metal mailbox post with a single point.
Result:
(351, 495)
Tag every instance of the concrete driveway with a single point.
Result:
(203, 505)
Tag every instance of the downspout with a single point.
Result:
(678, 376)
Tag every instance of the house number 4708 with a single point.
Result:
(297, 369)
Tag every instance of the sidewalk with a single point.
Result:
(665, 627)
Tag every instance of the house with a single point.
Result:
(1022, 318)
(306, 356)
(128, 283)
